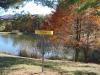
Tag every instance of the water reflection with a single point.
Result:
(33, 45)
(7, 45)
(14, 43)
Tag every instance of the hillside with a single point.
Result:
(12, 65)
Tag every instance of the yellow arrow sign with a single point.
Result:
(43, 32)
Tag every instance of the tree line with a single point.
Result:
(23, 23)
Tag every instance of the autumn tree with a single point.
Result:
(64, 21)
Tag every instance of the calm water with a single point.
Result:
(32, 44)
(14, 43)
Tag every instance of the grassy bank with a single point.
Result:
(12, 65)
(5, 33)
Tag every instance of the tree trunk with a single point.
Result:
(78, 32)
(85, 55)
(87, 48)
(76, 54)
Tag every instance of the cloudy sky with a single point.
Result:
(29, 7)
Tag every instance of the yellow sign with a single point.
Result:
(43, 32)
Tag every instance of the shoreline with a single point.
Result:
(5, 33)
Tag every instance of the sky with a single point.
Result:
(29, 7)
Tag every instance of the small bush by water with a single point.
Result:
(23, 53)
(55, 58)
(34, 55)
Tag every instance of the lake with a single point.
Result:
(32, 44)
(13, 43)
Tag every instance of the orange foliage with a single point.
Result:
(95, 19)
(61, 22)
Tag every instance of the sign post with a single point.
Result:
(43, 33)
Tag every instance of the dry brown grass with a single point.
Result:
(30, 70)
(12, 65)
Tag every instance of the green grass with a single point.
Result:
(9, 64)
(9, 61)
(84, 73)
(77, 73)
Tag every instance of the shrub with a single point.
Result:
(23, 53)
